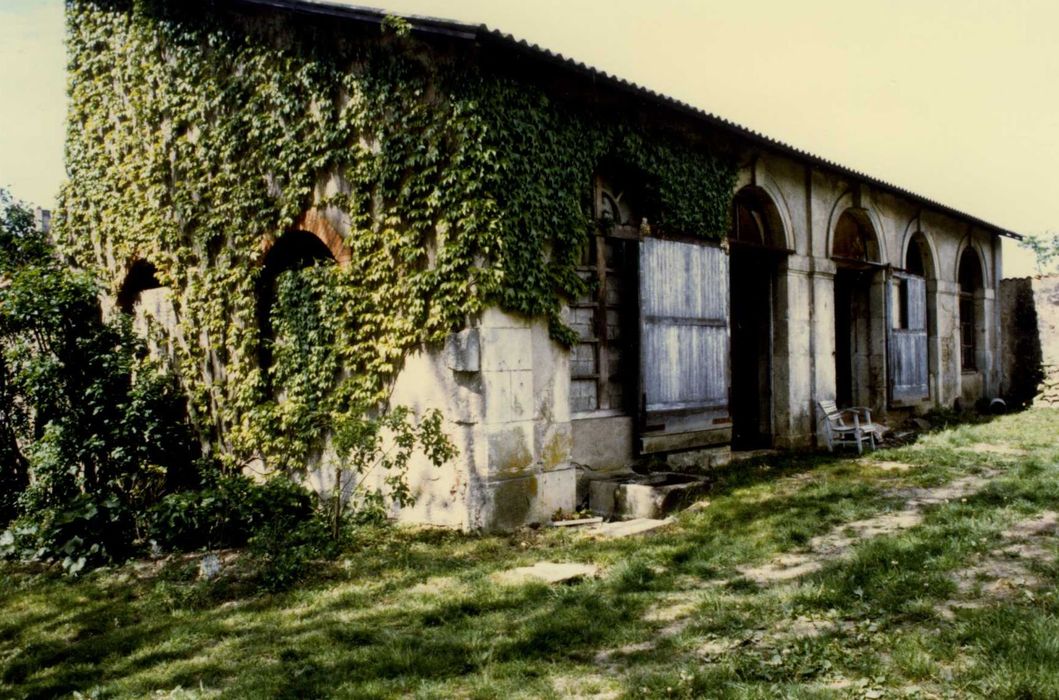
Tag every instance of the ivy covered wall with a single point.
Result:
(195, 134)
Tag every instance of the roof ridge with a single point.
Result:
(434, 25)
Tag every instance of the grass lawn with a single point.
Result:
(927, 571)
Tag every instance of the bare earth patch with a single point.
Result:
(1007, 570)
(890, 466)
(996, 449)
(588, 686)
(840, 541)
(672, 607)
(677, 608)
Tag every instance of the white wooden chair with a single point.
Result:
(847, 426)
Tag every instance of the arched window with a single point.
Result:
(754, 221)
(281, 276)
(970, 289)
(141, 277)
(854, 240)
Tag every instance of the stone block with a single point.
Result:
(547, 572)
(511, 503)
(638, 496)
(509, 449)
(704, 459)
(603, 444)
(551, 376)
(552, 444)
(463, 351)
(493, 317)
(506, 349)
(508, 396)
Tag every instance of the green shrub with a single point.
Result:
(91, 432)
(227, 511)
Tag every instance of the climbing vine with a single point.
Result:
(195, 134)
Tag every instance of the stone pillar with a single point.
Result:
(823, 330)
(522, 467)
(949, 371)
(791, 356)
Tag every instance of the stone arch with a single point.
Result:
(968, 243)
(915, 235)
(919, 257)
(768, 200)
(846, 209)
(856, 246)
(759, 338)
(971, 283)
(294, 250)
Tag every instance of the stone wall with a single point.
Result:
(1030, 311)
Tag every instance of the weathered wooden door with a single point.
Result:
(909, 369)
(684, 345)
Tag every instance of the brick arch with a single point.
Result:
(312, 221)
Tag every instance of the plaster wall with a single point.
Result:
(811, 201)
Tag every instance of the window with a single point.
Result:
(854, 240)
(970, 287)
(142, 277)
(967, 331)
(899, 304)
(603, 365)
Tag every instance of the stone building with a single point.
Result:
(827, 284)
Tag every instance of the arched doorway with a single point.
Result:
(913, 324)
(285, 292)
(860, 313)
(971, 310)
(757, 247)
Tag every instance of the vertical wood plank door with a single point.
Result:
(684, 331)
(909, 369)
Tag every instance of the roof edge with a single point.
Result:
(482, 34)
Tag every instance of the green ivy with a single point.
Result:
(195, 133)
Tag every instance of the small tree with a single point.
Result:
(383, 445)
(1045, 248)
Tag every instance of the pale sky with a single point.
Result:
(953, 99)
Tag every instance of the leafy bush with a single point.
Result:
(285, 549)
(91, 432)
(227, 511)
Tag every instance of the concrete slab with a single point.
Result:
(644, 496)
(628, 528)
(547, 572)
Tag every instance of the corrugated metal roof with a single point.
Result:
(486, 35)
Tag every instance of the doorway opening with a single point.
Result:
(756, 249)
(860, 314)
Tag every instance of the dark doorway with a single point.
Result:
(853, 323)
(843, 344)
(752, 279)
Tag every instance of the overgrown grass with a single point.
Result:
(415, 612)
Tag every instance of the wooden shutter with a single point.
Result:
(908, 346)
(684, 344)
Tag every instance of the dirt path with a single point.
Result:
(839, 542)
(676, 609)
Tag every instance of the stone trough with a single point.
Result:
(652, 496)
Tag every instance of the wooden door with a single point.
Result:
(684, 371)
(909, 369)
